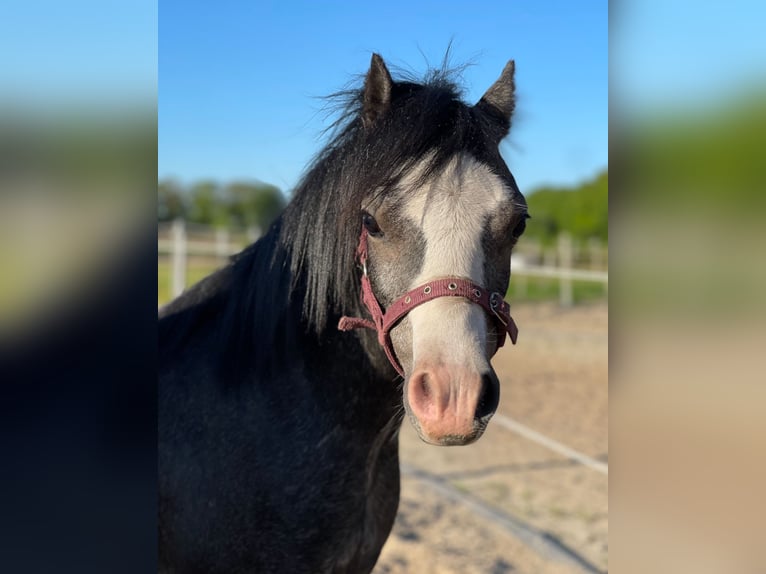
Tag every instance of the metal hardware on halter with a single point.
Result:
(493, 303)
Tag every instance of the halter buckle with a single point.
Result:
(494, 304)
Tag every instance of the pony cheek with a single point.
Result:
(401, 338)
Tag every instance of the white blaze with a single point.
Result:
(451, 211)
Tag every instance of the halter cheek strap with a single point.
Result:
(383, 322)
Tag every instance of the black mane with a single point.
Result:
(303, 271)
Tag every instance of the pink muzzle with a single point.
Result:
(382, 322)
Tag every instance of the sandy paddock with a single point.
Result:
(505, 503)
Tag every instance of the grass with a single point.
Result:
(522, 289)
(534, 289)
(194, 272)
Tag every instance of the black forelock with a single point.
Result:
(321, 225)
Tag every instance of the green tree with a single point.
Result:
(582, 212)
(253, 204)
(238, 204)
(171, 201)
(205, 205)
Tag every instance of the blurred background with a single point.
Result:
(78, 168)
(94, 160)
(688, 112)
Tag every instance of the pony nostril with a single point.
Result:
(424, 387)
(420, 393)
(490, 396)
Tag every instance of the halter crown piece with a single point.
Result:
(382, 322)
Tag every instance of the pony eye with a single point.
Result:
(370, 224)
(520, 226)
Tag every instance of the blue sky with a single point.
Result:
(681, 53)
(84, 52)
(240, 81)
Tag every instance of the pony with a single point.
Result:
(278, 418)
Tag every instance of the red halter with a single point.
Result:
(383, 322)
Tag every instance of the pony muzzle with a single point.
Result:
(450, 406)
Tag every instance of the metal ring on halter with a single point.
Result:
(452, 286)
(477, 293)
(427, 289)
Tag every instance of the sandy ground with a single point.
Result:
(506, 504)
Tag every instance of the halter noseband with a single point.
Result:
(383, 322)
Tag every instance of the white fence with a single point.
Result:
(567, 262)
(180, 242)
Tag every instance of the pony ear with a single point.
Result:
(376, 96)
(499, 100)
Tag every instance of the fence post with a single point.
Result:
(178, 256)
(566, 296)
